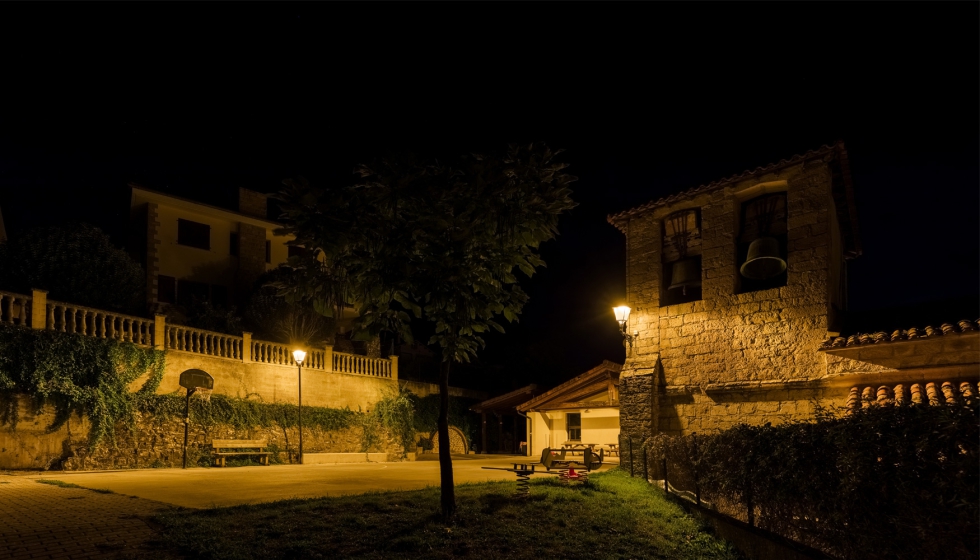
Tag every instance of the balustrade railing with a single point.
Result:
(15, 309)
(197, 341)
(353, 363)
(65, 317)
(272, 353)
(38, 312)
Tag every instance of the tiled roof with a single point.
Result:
(934, 394)
(859, 339)
(616, 219)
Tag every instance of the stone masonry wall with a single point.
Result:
(251, 257)
(763, 336)
(152, 254)
(253, 203)
(156, 443)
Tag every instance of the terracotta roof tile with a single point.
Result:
(862, 339)
(933, 394)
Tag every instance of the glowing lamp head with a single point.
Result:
(299, 356)
(622, 314)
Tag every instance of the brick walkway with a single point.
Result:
(50, 522)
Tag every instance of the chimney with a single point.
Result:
(252, 203)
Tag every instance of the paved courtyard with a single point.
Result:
(50, 522)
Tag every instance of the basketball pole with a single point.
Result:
(187, 421)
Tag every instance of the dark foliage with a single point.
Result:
(885, 482)
(77, 375)
(75, 263)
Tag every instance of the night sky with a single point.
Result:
(646, 99)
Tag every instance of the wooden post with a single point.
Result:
(500, 431)
(246, 347)
(39, 309)
(160, 332)
(664, 465)
(483, 434)
(328, 359)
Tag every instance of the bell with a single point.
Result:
(683, 274)
(763, 260)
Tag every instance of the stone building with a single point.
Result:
(736, 286)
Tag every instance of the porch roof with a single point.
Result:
(572, 393)
(507, 401)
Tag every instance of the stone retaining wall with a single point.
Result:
(155, 443)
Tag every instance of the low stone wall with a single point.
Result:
(156, 443)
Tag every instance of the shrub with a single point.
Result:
(884, 482)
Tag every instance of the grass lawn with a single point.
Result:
(613, 516)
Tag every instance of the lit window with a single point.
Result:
(574, 424)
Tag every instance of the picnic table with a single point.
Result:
(576, 448)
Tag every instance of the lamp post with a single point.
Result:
(622, 317)
(299, 356)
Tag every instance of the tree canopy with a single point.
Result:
(75, 263)
(440, 241)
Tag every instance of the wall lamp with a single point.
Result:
(622, 317)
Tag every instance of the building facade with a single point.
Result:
(712, 346)
(192, 250)
(738, 288)
(583, 410)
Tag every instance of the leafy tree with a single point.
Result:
(271, 317)
(75, 263)
(439, 241)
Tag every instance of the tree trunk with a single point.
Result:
(448, 495)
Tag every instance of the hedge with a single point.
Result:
(884, 482)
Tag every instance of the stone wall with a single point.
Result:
(766, 336)
(276, 383)
(156, 443)
(251, 258)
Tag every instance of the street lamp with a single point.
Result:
(622, 316)
(299, 356)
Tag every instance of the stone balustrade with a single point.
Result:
(68, 318)
(15, 309)
(38, 312)
(187, 339)
(272, 353)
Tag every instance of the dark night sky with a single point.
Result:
(646, 99)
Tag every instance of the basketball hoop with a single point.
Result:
(205, 394)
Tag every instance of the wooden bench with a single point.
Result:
(222, 448)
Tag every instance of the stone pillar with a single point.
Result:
(253, 203)
(160, 332)
(328, 360)
(394, 367)
(246, 347)
(152, 263)
(39, 309)
(637, 413)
